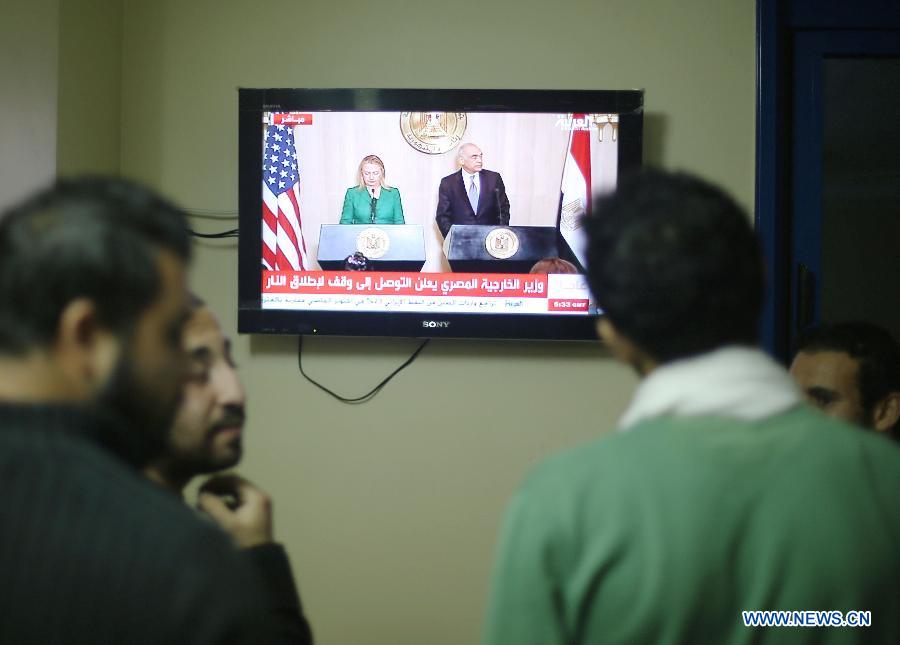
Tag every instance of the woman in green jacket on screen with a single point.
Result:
(372, 201)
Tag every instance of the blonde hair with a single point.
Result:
(372, 159)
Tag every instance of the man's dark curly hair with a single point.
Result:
(674, 263)
(93, 238)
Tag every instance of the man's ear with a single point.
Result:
(623, 348)
(86, 349)
(886, 412)
(608, 333)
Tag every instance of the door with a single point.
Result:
(828, 164)
(846, 178)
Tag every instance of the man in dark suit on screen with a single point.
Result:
(471, 195)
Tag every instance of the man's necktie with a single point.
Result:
(473, 194)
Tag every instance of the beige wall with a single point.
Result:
(90, 90)
(28, 96)
(390, 509)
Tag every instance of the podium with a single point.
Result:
(467, 247)
(389, 247)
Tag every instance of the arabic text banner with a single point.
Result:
(401, 291)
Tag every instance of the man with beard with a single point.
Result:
(92, 306)
(206, 438)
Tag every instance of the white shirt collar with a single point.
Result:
(737, 382)
(467, 177)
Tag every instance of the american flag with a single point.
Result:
(283, 247)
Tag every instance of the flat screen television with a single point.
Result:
(359, 215)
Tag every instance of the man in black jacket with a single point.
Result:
(207, 438)
(471, 195)
(92, 306)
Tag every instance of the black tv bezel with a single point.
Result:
(252, 103)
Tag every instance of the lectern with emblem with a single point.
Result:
(389, 247)
(472, 248)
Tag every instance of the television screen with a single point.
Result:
(424, 213)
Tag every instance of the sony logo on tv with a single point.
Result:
(436, 324)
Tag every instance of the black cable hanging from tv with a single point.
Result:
(215, 236)
(368, 395)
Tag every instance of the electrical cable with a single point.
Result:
(231, 233)
(220, 216)
(211, 211)
(368, 395)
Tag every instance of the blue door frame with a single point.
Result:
(793, 37)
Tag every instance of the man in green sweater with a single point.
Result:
(721, 492)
